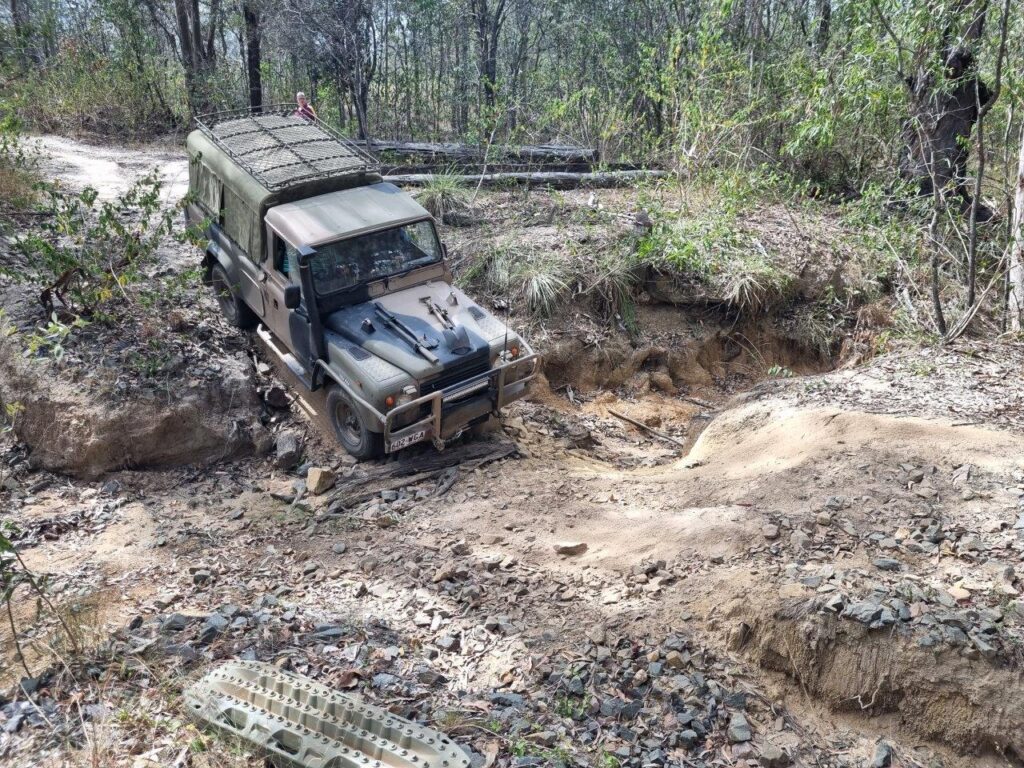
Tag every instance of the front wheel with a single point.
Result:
(235, 310)
(350, 427)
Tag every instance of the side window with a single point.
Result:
(423, 237)
(293, 263)
(280, 255)
(286, 260)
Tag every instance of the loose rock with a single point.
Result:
(319, 480)
(570, 548)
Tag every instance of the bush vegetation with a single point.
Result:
(87, 251)
(822, 101)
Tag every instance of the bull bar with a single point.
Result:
(434, 427)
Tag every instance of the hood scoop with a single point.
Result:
(457, 340)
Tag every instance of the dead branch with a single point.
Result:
(644, 427)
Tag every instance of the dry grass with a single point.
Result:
(753, 286)
(443, 195)
(535, 280)
(17, 187)
(18, 172)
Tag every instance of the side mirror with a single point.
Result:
(292, 296)
(444, 251)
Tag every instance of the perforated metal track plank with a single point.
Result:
(299, 723)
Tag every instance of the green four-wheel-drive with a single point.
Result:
(343, 275)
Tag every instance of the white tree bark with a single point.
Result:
(1015, 304)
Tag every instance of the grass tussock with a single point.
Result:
(753, 285)
(538, 282)
(443, 195)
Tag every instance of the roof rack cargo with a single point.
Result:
(280, 149)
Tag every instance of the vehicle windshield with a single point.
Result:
(346, 263)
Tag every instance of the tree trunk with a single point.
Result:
(196, 31)
(361, 101)
(452, 152)
(488, 32)
(197, 57)
(188, 58)
(253, 39)
(943, 110)
(823, 32)
(1015, 302)
(21, 18)
(978, 212)
(460, 108)
(935, 245)
(552, 179)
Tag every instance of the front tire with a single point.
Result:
(350, 427)
(235, 311)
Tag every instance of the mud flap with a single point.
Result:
(302, 724)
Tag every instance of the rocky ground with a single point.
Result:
(813, 570)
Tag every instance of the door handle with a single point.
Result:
(263, 276)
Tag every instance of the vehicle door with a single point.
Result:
(290, 326)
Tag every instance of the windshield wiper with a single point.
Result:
(403, 331)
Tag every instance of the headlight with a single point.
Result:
(407, 395)
(404, 397)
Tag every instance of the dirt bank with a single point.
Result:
(969, 703)
(193, 421)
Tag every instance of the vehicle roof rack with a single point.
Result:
(280, 149)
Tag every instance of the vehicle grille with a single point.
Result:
(472, 365)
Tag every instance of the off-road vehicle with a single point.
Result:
(344, 277)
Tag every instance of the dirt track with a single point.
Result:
(793, 496)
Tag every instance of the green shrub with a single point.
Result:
(87, 252)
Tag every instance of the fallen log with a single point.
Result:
(554, 179)
(536, 153)
(478, 166)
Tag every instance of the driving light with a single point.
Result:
(510, 353)
(389, 401)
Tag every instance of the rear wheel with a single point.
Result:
(235, 310)
(350, 427)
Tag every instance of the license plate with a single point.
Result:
(408, 440)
